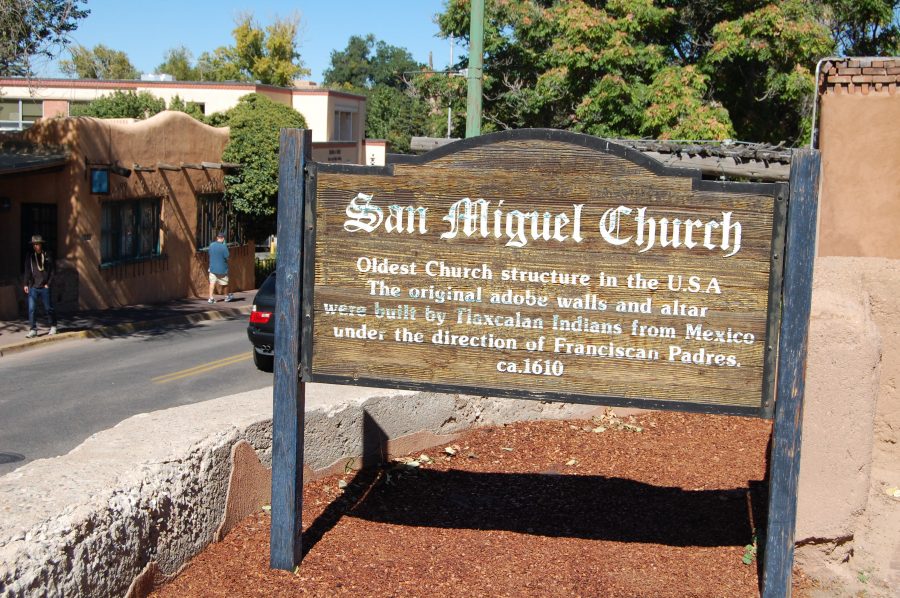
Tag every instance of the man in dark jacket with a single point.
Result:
(39, 269)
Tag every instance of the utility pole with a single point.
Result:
(474, 76)
(450, 101)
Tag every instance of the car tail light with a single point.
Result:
(260, 317)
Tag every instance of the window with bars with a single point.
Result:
(130, 230)
(214, 214)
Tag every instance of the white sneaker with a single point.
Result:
(53, 330)
(210, 300)
(31, 334)
(230, 297)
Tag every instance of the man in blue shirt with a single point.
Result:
(218, 267)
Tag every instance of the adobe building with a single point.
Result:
(337, 118)
(127, 207)
(859, 136)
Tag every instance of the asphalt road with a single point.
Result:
(54, 397)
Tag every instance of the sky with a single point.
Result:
(145, 30)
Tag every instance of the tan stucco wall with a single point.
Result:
(851, 424)
(860, 198)
(169, 137)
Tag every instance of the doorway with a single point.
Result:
(38, 219)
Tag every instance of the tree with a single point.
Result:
(255, 124)
(394, 111)
(35, 28)
(350, 67)
(190, 108)
(395, 116)
(178, 62)
(366, 63)
(268, 55)
(100, 62)
(122, 104)
(865, 27)
(664, 68)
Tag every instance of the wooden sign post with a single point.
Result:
(546, 265)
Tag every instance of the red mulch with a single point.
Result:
(547, 508)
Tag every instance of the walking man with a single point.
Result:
(39, 269)
(218, 268)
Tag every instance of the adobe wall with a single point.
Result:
(859, 136)
(170, 137)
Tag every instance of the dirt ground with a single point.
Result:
(665, 504)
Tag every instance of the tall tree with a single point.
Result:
(254, 124)
(268, 54)
(865, 27)
(100, 62)
(367, 62)
(178, 62)
(394, 111)
(350, 67)
(666, 68)
(30, 29)
(396, 116)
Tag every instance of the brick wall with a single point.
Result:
(860, 75)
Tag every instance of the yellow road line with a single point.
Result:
(202, 368)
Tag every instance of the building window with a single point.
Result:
(130, 230)
(343, 126)
(214, 214)
(19, 114)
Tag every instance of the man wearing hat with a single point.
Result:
(218, 267)
(39, 271)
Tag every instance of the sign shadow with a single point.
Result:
(548, 504)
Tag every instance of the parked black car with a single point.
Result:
(261, 329)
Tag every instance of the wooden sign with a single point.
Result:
(547, 265)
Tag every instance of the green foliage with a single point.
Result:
(865, 27)
(394, 111)
(178, 62)
(350, 67)
(268, 55)
(367, 63)
(100, 62)
(122, 104)
(255, 125)
(31, 29)
(190, 108)
(764, 63)
(396, 116)
(708, 69)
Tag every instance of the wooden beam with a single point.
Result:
(192, 165)
(784, 461)
(424, 144)
(285, 544)
(138, 168)
(164, 166)
(211, 165)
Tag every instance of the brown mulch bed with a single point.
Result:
(662, 504)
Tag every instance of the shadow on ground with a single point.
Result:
(548, 504)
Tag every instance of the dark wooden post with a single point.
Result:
(289, 393)
(797, 296)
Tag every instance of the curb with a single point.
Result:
(126, 328)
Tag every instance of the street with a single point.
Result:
(54, 397)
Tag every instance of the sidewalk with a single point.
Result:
(121, 320)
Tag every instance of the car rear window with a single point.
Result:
(268, 285)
